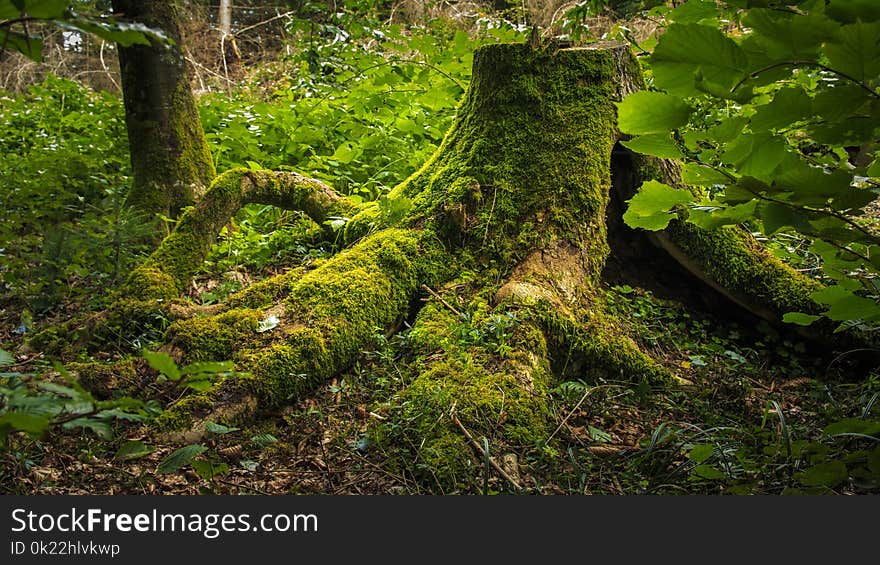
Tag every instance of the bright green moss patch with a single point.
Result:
(214, 338)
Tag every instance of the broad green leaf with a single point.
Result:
(845, 305)
(163, 363)
(29, 423)
(688, 50)
(789, 105)
(651, 112)
(853, 130)
(874, 169)
(808, 184)
(123, 33)
(707, 472)
(208, 367)
(784, 36)
(180, 458)
(219, 429)
(208, 470)
(853, 200)
(828, 474)
(8, 11)
(857, 51)
(848, 11)
(656, 144)
(727, 129)
(799, 318)
(651, 207)
(710, 219)
(6, 358)
(694, 11)
(699, 175)
(30, 47)
(60, 390)
(46, 9)
(264, 440)
(700, 453)
(755, 155)
(776, 216)
(853, 426)
(841, 100)
(99, 427)
(133, 450)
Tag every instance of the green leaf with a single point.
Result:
(180, 458)
(99, 427)
(163, 363)
(208, 367)
(775, 216)
(874, 169)
(789, 105)
(23, 422)
(755, 155)
(30, 47)
(799, 318)
(707, 472)
(8, 11)
(700, 453)
(208, 470)
(651, 112)
(848, 11)
(264, 440)
(46, 9)
(845, 305)
(784, 36)
(6, 358)
(650, 208)
(688, 52)
(693, 174)
(852, 426)
(656, 144)
(857, 51)
(219, 429)
(133, 450)
(123, 33)
(694, 11)
(828, 474)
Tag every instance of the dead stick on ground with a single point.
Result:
(573, 410)
(479, 448)
(443, 302)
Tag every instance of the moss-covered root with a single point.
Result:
(324, 320)
(494, 381)
(734, 263)
(169, 269)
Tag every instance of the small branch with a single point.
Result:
(443, 302)
(482, 452)
(573, 410)
(754, 74)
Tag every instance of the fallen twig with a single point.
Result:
(479, 448)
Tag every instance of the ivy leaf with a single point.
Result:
(650, 208)
(651, 112)
(688, 49)
(657, 144)
(180, 458)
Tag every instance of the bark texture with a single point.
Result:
(171, 161)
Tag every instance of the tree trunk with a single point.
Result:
(170, 158)
(506, 239)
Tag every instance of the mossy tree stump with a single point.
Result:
(506, 234)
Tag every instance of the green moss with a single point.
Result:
(108, 380)
(739, 265)
(267, 292)
(181, 415)
(214, 338)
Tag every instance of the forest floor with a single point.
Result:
(750, 417)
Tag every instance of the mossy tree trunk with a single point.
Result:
(171, 161)
(506, 237)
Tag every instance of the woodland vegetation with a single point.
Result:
(414, 246)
